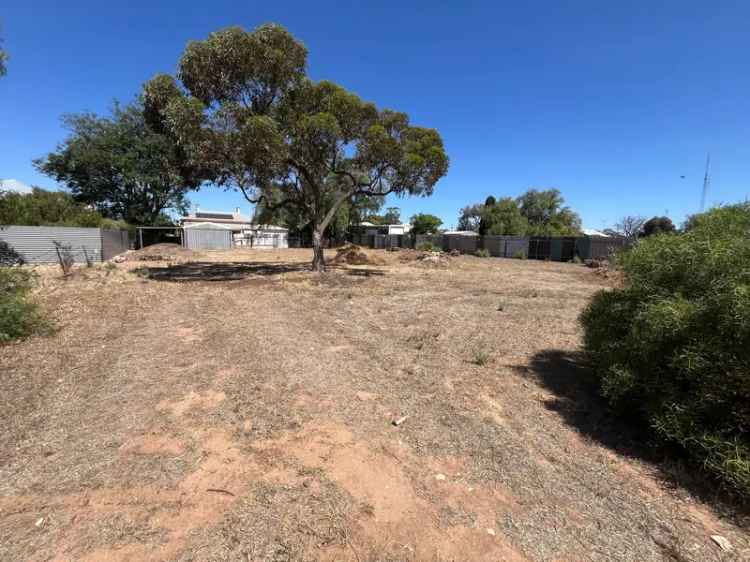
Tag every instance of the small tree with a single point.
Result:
(470, 218)
(247, 113)
(423, 223)
(657, 225)
(392, 216)
(630, 226)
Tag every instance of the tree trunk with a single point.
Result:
(318, 263)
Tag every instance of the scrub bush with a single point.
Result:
(19, 317)
(672, 346)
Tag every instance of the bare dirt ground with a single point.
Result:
(235, 406)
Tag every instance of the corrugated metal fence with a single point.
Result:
(36, 244)
(557, 248)
(505, 246)
(114, 242)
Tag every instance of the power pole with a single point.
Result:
(706, 182)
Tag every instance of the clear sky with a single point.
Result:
(611, 102)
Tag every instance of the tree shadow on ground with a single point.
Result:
(234, 271)
(218, 271)
(577, 401)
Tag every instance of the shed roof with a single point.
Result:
(207, 226)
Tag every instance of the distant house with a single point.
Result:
(14, 186)
(370, 229)
(243, 232)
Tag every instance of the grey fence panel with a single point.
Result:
(36, 244)
(208, 239)
(603, 247)
(396, 241)
(495, 245)
(434, 239)
(114, 242)
(515, 245)
(462, 243)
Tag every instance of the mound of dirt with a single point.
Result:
(433, 260)
(161, 252)
(409, 255)
(351, 254)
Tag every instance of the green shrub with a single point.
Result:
(672, 346)
(520, 254)
(18, 316)
(482, 253)
(429, 247)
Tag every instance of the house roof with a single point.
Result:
(14, 186)
(218, 217)
(208, 225)
(594, 232)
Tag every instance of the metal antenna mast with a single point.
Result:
(706, 182)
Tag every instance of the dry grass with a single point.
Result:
(243, 412)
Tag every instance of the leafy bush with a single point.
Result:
(672, 346)
(482, 253)
(520, 254)
(429, 247)
(18, 316)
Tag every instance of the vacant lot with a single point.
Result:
(238, 407)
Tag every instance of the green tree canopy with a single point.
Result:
(392, 216)
(547, 214)
(247, 113)
(657, 225)
(122, 166)
(423, 223)
(470, 217)
(48, 208)
(503, 218)
(535, 213)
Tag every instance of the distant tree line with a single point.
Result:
(50, 208)
(634, 227)
(535, 213)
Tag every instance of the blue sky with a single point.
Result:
(611, 102)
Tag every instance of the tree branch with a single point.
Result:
(332, 211)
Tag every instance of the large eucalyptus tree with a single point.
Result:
(245, 110)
